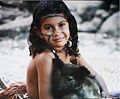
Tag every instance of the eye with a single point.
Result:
(48, 27)
(62, 24)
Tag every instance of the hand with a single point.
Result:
(105, 94)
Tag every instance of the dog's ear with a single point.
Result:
(81, 72)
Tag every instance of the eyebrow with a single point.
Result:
(57, 23)
(63, 21)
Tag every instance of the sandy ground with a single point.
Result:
(102, 55)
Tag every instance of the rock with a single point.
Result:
(29, 5)
(77, 17)
(15, 27)
(101, 13)
(8, 14)
(87, 27)
(86, 9)
(10, 3)
(14, 18)
(89, 15)
(91, 26)
(18, 22)
(111, 25)
(95, 23)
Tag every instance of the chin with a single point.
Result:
(59, 44)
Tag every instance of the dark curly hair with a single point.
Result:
(45, 7)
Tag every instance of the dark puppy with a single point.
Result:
(74, 83)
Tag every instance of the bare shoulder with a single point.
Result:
(43, 61)
(43, 57)
(31, 65)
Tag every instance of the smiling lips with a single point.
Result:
(58, 38)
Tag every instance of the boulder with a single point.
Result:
(85, 9)
(111, 25)
(8, 14)
(95, 23)
(15, 27)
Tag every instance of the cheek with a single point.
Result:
(66, 29)
(67, 32)
(48, 39)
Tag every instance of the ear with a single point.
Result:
(37, 31)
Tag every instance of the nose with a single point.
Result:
(57, 30)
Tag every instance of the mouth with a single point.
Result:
(58, 38)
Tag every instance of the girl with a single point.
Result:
(53, 45)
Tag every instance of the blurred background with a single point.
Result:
(99, 37)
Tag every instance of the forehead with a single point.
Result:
(53, 20)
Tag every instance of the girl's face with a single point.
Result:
(55, 31)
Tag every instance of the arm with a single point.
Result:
(44, 68)
(93, 74)
(103, 87)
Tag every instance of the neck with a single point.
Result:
(60, 50)
(64, 56)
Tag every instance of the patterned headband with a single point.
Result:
(52, 15)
